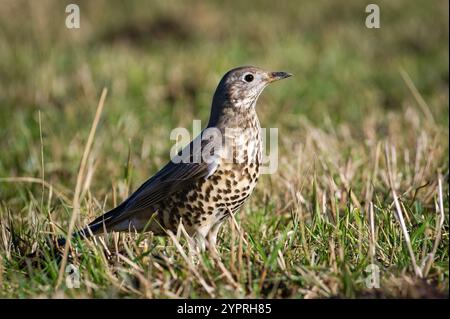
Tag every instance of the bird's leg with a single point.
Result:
(197, 243)
(200, 242)
(212, 239)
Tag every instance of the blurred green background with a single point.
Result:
(161, 62)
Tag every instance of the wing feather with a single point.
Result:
(172, 178)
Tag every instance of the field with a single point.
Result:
(361, 191)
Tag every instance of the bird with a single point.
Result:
(210, 178)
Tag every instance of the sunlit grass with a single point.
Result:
(306, 231)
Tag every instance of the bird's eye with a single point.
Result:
(248, 78)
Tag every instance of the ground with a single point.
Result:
(361, 187)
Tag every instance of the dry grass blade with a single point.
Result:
(401, 220)
(417, 270)
(52, 225)
(42, 159)
(417, 96)
(76, 204)
(208, 288)
(440, 224)
(372, 233)
(226, 273)
(238, 228)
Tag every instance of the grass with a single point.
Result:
(363, 146)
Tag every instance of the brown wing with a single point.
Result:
(170, 179)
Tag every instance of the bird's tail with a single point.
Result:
(86, 232)
(97, 226)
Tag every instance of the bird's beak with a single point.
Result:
(275, 76)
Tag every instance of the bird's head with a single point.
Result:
(242, 86)
(238, 92)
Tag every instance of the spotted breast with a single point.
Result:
(203, 208)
